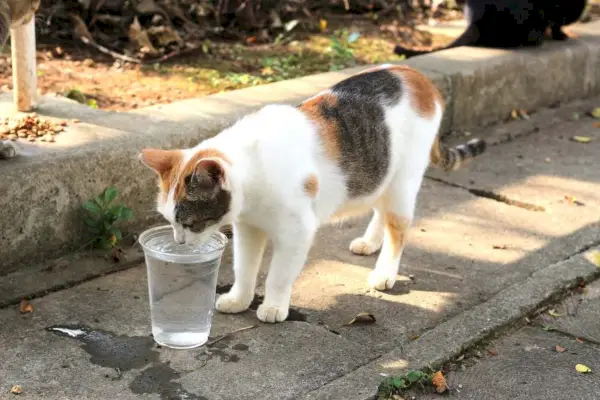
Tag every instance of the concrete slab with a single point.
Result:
(451, 338)
(120, 360)
(527, 366)
(579, 315)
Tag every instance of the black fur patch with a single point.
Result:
(204, 204)
(364, 138)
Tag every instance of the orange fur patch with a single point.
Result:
(424, 94)
(165, 163)
(396, 228)
(311, 185)
(328, 130)
(188, 168)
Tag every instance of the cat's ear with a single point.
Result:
(211, 171)
(160, 161)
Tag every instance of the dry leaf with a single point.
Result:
(584, 369)
(362, 318)
(414, 337)
(573, 200)
(492, 352)
(595, 113)
(523, 114)
(514, 114)
(323, 24)
(500, 247)
(25, 307)
(116, 254)
(17, 389)
(553, 313)
(594, 257)
(439, 381)
(596, 124)
(581, 139)
(560, 349)
(579, 340)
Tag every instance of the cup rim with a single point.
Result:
(199, 257)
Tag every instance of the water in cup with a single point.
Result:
(182, 281)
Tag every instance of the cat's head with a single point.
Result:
(195, 191)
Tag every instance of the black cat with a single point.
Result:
(511, 23)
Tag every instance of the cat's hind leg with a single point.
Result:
(371, 241)
(398, 211)
(248, 248)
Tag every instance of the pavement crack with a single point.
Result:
(488, 194)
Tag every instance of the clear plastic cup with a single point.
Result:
(182, 283)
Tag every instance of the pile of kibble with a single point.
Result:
(30, 128)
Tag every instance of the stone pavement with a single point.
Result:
(527, 364)
(481, 232)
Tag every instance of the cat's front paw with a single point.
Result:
(229, 303)
(362, 247)
(271, 314)
(380, 281)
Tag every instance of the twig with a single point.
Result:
(229, 334)
(108, 51)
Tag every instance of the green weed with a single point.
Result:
(101, 218)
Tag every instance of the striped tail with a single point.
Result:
(453, 158)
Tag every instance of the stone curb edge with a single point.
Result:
(451, 338)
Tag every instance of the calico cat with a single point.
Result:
(13, 13)
(511, 23)
(281, 172)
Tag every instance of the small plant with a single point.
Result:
(399, 384)
(101, 217)
(341, 48)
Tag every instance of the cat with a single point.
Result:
(511, 23)
(13, 13)
(281, 172)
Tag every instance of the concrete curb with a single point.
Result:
(451, 338)
(43, 191)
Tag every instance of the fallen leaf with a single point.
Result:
(25, 307)
(579, 340)
(553, 313)
(500, 247)
(581, 139)
(323, 25)
(439, 381)
(596, 124)
(523, 114)
(560, 349)
(414, 337)
(251, 39)
(492, 352)
(362, 318)
(575, 116)
(548, 328)
(514, 114)
(594, 257)
(115, 254)
(17, 389)
(584, 369)
(573, 200)
(460, 358)
(595, 113)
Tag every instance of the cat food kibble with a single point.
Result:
(30, 128)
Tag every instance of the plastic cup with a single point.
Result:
(182, 283)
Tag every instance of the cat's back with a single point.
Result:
(364, 121)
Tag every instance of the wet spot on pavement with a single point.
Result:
(109, 350)
(159, 379)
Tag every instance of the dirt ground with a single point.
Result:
(89, 76)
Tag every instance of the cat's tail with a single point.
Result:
(452, 158)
